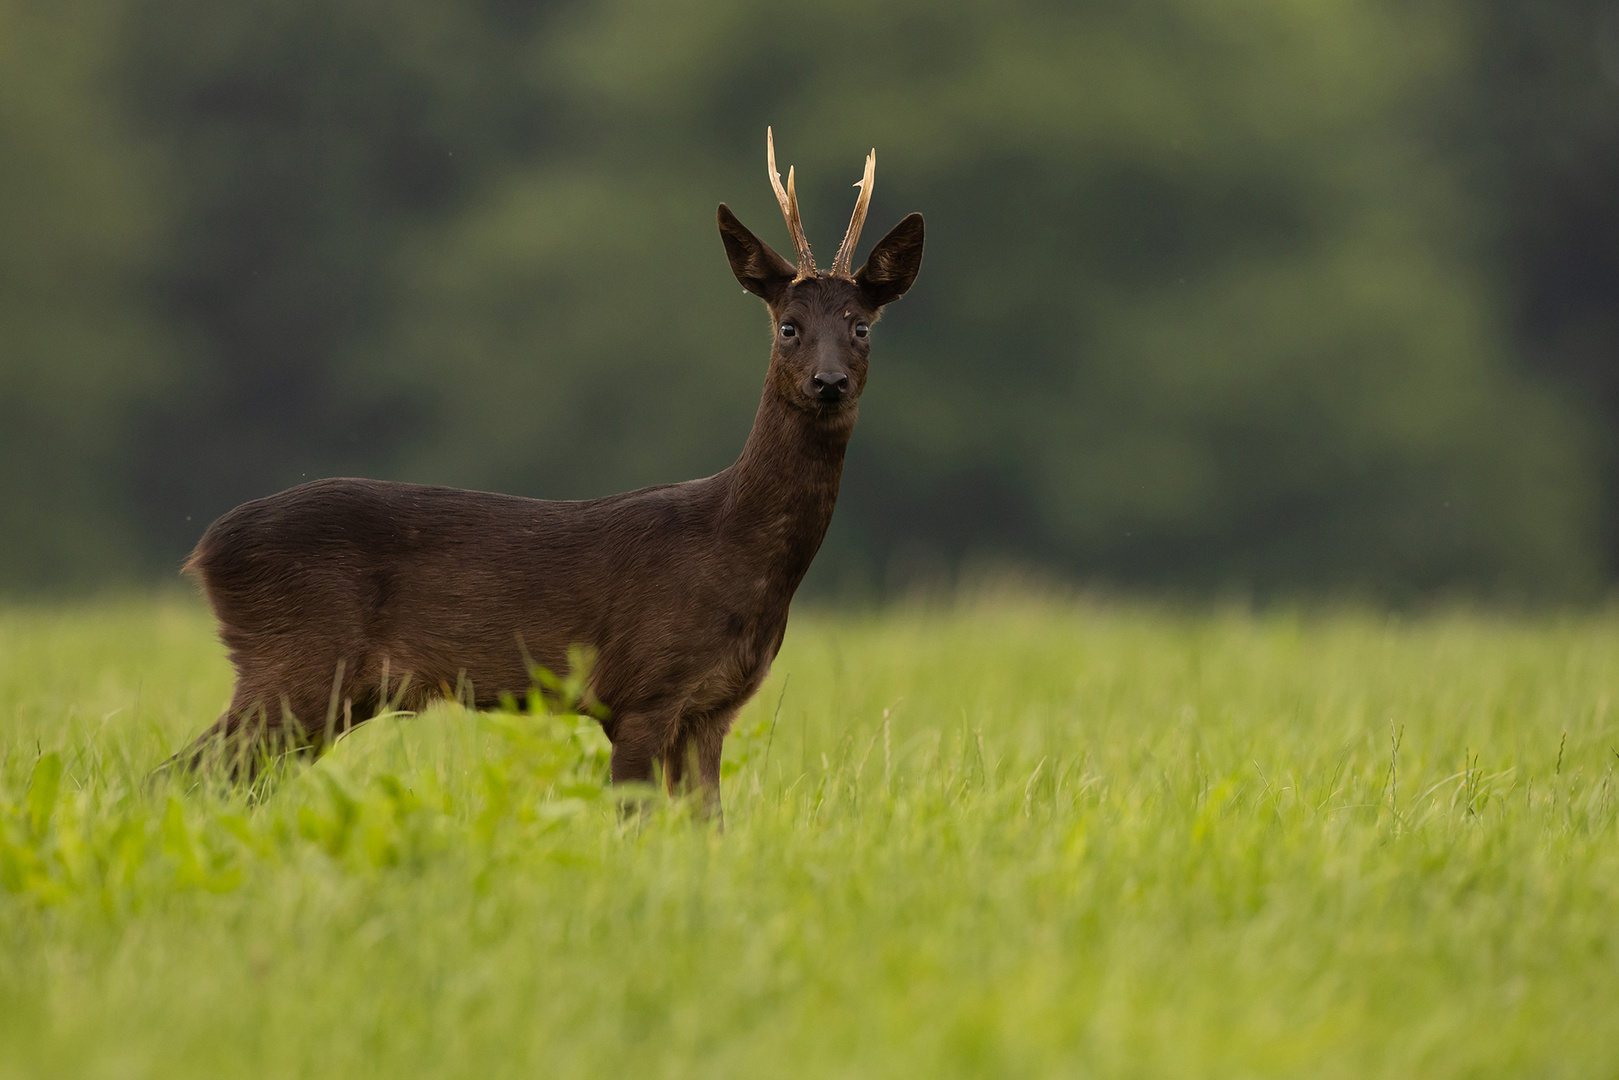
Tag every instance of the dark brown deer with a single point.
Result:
(341, 598)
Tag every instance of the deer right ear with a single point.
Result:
(760, 270)
(893, 264)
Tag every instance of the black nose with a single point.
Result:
(831, 386)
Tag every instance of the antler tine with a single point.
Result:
(840, 265)
(789, 209)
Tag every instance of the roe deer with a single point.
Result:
(339, 598)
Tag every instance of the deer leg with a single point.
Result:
(638, 742)
(676, 774)
(710, 746)
(274, 713)
(639, 739)
(219, 745)
(247, 734)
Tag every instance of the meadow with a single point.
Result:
(1000, 836)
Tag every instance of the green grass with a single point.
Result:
(1006, 837)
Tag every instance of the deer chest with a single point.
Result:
(740, 667)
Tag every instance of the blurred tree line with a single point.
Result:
(1264, 295)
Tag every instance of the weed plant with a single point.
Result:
(1000, 837)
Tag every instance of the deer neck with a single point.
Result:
(783, 488)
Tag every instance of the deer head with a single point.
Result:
(822, 320)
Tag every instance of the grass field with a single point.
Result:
(1003, 837)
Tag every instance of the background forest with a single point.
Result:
(1271, 297)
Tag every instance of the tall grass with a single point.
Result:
(1005, 837)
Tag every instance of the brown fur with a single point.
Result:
(341, 598)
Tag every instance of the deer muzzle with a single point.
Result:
(830, 386)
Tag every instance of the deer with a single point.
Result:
(340, 599)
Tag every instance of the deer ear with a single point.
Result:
(760, 270)
(893, 264)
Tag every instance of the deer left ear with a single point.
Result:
(893, 264)
(756, 265)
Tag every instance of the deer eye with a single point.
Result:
(861, 329)
(789, 330)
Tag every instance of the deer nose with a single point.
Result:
(831, 385)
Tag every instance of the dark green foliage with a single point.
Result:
(79, 350)
(1208, 300)
(1546, 151)
(1199, 307)
(309, 142)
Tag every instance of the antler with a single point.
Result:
(789, 210)
(840, 265)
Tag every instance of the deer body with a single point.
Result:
(339, 598)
